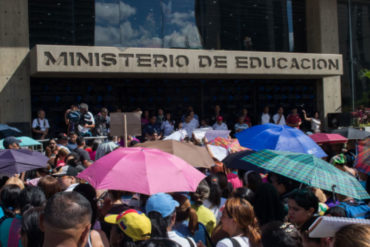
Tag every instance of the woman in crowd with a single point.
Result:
(52, 149)
(315, 121)
(49, 185)
(215, 201)
(59, 159)
(303, 205)
(355, 235)
(239, 221)
(167, 126)
(31, 235)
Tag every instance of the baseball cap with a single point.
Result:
(66, 171)
(62, 136)
(9, 141)
(133, 223)
(220, 118)
(162, 203)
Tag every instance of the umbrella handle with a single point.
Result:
(333, 190)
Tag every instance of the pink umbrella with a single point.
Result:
(328, 138)
(142, 170)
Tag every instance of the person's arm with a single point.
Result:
(305, 116)
(66, 120)
(99, 239)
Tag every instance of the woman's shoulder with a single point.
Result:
(229, 242)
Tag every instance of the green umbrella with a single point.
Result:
(25, 142)
(307, 169)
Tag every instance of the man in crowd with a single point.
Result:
(265, 117)
(219, 125)
(67, 177)
(151, 128)
(72, 141)
(102, 122)
(279, 118)
(240, 125)
(82, 153)
(293, 120)
(62, 141)
(40, 126)
(190, 123)
(66, 220)
(11, 142)
(87, 122)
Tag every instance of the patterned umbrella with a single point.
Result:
(363, 157)
(308, 169)
(232, 145)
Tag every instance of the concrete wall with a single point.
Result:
(322, 37)
(15, 95)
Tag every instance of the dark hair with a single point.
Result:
(31, 197)
(159, 224)
(90, 194)
(244, 193)
(80, 140)
(288, 183)
(116, 194)
(336, 211)
(305, 199)
(30, 227)
(49, 185)
(75, 161)
(9, 197)
(225, 186)
(279, 234)
(65, 210)
(267, 204)
(215, 192)
(253, 181)
(304, 231)
(95, 145)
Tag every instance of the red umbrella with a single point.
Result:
(328, 138)
(363, 157)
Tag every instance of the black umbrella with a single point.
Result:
(6, 130)
(234, 161)
(352, 133)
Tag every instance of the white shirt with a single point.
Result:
(167, 128)
(226, 242)
(276, 119)
(190, 127)
(217, 126)
(42, 123)
(265, 118)
(315, 125)
(180, 240)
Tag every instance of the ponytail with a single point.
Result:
(254, 234)
(193, 221)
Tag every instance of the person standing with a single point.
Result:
(219, 125)
(40, 126)
(102, 120)
(87, 122)
(265, 117)
(315, 121)
(293, 120)
(279, 118)
(240, 125)
(168, 125)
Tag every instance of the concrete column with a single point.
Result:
(322, 37)
(15, 94)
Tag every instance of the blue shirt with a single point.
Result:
(183, 230)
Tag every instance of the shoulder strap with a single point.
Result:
(235, 242)
(190, 242)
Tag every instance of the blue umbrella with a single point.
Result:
(277, 137)
(6, 130)
(25, 142)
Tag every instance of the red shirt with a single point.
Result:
(293, 120)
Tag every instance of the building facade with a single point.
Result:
(171, 54)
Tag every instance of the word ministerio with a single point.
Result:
(182, 61)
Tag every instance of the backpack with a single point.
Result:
(74, 116)
(359, 209)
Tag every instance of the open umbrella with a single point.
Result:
(142, 170)
(308, 169)
(6, 130)
(277, 137)
(232, 145)
(195, 155)
(352, 133)
(363, 156)
(14, 161)
(25, 142)
(235, 161)
(328, 138)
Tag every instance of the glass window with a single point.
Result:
(263, 25)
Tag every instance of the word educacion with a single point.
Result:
(132, 60)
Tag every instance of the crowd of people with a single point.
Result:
(160, 124)
(53, 207)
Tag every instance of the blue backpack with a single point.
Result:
(359, 209)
